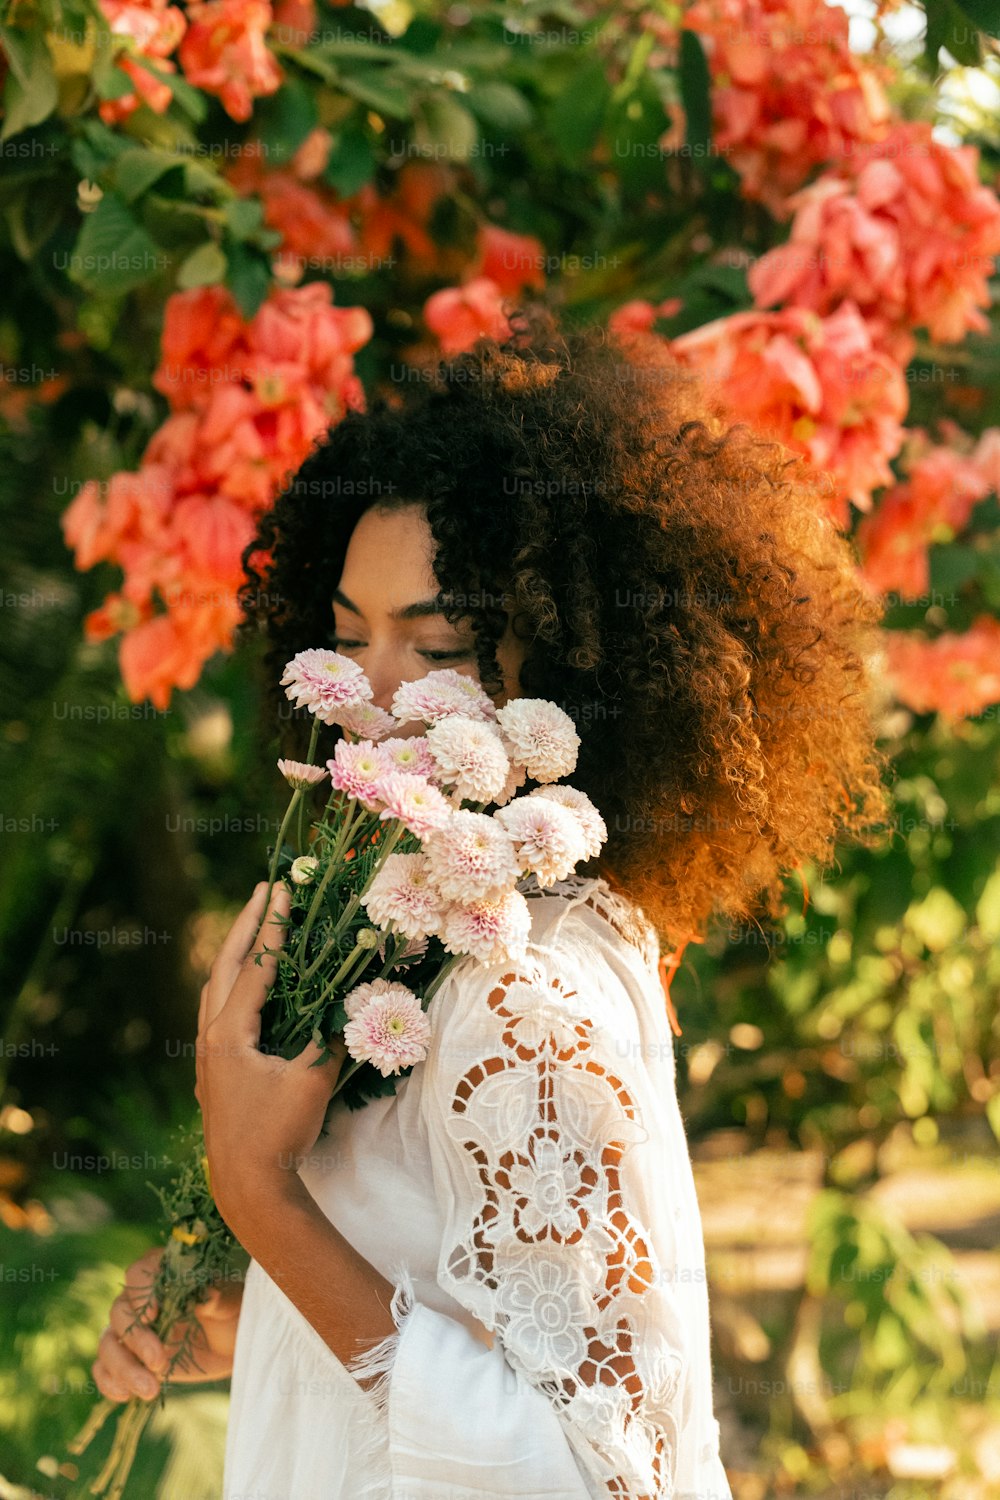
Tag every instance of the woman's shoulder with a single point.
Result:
(599, 909)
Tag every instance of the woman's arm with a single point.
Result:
(334, 1288)
(262, 1114)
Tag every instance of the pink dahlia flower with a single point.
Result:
(299, 775)
(401, 893)
(387, 1026)
(493, 930)
(592, 825)
(548, 838)
(419, 806)
(540, 736)
(326, 683)
(441, 694)
(471, 858)
(357, 769)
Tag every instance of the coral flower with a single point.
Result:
(458, 315)
(225, 52)
(817, 384)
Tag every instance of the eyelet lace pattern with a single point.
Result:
(546, 1248)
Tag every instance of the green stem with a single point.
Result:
(350, 962)
(272, 873)
(440, 977)
(314, 736)
(345, 1075)
(391, 952)
(346, 832)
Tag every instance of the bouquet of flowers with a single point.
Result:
(405, 873)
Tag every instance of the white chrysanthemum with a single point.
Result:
(548, 838)
(540, 737)
(412, 755)
(326, 683)
(494, 931)
(471, 858)
(387, 1027)
(366, 720)
(355, 1000)
(516, 777)
(401, 893)
(441, 694)
(419, 806)
(469, 758)
(592, 825)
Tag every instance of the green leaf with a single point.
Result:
(31, 91)
(137, 169)
(421, 36)
(501, 105)
(248, 278)
(633, 129)
(113, 83)
(33, 216)
(387, 98)
(201, 180)
(988, 908)
(191, 100)
(948, 27)
(636, 67)
(113, 252)
(244, 216)
(203, 267)
(989, 577)
(696, 97)
(574, 120)
(95, 148)
(984, 14)
(993, 1114)
(351, 162)
(284, 119)
(951, 566)
(444, 128)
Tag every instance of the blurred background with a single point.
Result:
(220, 226)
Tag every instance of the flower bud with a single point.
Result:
(368, 937)
(303, 869)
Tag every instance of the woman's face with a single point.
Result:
(384, 610)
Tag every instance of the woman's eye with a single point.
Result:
(337, 643)
(444, 655)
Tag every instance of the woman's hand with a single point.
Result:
(133, 1361)
(262, 1114)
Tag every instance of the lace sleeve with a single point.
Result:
(538, 1106)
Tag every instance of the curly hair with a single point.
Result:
(681, 590)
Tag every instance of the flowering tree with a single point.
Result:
(291, 185)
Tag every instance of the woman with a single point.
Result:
(492, 1283)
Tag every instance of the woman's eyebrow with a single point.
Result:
(417, 611)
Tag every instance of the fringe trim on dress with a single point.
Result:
(377, 1364)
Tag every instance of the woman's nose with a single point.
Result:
(383, 672)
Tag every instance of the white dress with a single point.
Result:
(530, 1177)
